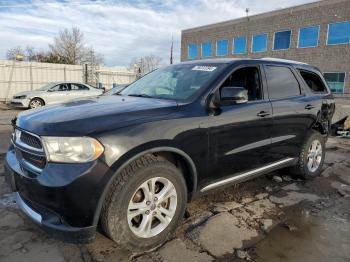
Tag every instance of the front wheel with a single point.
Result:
(311, 157)
(145, 203)
(35, 103)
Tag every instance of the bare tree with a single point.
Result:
(68, 48)
(69, 44)
(145, 64)
(15, 53)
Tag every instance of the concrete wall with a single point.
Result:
(334, 58)
(23, 76)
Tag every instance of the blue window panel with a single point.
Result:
(308, 36)
(221, 47)
(240, 45)
(282, 40)
(192, 51)
(336, 81)
(206, 49)
(339, 33)
(259, 43)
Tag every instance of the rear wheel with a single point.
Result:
(311, 157)
(145, 203)
(35, 103)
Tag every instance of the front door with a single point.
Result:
(57, 94)
(240, 135)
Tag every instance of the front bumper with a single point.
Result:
(62, 200)
(23, 103)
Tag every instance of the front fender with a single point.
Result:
(135, 153)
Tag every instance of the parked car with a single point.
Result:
(134, 161)
(53, 93)
(115, 90)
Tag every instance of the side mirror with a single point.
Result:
(230, 95)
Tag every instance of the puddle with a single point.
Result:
(315, 239)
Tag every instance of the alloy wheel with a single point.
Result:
(314, 156)
(35, 103)
(152, 207)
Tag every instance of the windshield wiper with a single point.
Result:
(141, 95)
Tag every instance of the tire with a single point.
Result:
(303, 167)
(36, 103)
(116, 212)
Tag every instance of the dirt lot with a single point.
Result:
(273, 218)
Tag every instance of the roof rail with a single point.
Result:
(282, 60)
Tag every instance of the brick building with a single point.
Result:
(316, 33)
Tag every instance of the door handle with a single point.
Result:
(263, 114)
(309, 107)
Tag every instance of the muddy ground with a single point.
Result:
(272, 218)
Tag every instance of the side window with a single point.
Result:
(281, 82)
(313, 81)
(77, 87)
(60, 87)
(249, 78)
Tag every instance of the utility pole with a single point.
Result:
(171, 50)
(247, 12)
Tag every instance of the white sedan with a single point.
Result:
(53, 93)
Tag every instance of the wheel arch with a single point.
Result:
(38, 97)
(321, 128)
(172, 154)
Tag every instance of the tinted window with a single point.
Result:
(282, 40)
(313, 81)
(77, 87)
(259, 43)
(221, 47)
(339, 33)
(249, 78)
(308, 36)
(60, 87)
(192, 51)
(240, 45)
(206, 49)
(281, 82)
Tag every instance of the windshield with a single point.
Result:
(46, 87)
(177, 82)
(114, 90)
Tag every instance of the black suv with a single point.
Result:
(133, 160)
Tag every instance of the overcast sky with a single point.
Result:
(120, 30)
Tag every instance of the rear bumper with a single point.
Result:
(62, 200)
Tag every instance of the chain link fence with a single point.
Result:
(16, 76)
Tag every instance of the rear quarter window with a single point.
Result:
(281, 82)
(313, 81)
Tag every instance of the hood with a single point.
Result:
(93, 115)
(30, 93)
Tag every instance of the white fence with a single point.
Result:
(18, 76)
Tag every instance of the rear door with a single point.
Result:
(292, 117)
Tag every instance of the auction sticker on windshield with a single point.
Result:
(204, 68)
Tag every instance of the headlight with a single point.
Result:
(19, 97)
(72, 149)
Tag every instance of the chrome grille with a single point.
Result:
(31, 140)
(29, 151)
(38, 161)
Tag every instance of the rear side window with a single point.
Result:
(313, 81)
(281, 82)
